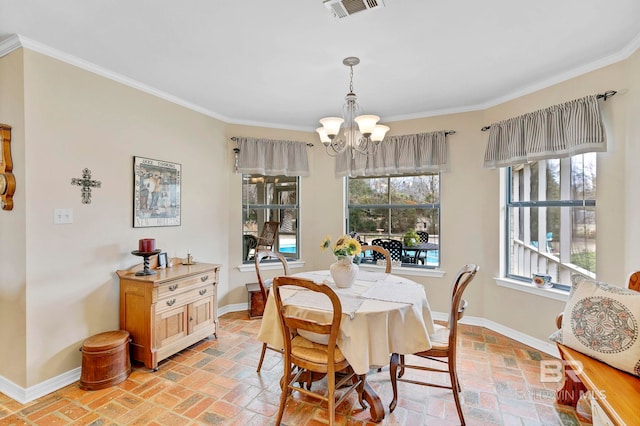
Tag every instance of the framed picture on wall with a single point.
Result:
(156, 193)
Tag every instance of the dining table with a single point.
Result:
(381, 314)
(416, 249)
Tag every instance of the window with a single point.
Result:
(551, 219)
(270, 198)
(387, 207)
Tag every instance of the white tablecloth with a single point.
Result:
(381, 314)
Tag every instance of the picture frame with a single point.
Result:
(156, 192)
(162, 260)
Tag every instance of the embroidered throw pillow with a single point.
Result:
(603, 322)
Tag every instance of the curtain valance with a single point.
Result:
(574, 127)
(417, 153)
(272, 157)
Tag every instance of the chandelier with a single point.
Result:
(361, 133)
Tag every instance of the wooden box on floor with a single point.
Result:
(256, 304)
(105, 360)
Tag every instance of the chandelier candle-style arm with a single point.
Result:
(361, 132)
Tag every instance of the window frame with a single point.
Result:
(389, 207)
(564, 170)
(275, 208)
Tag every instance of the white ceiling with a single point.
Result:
(279, 63)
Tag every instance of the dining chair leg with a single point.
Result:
(455, 388)
(284, 382)
(393, 371)
(331, 396)
(264, 349)
(362, 378)
(401, 373)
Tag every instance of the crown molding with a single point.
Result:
(619, 56)
(17, 41)
(9, 45)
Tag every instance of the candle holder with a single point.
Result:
(146, 255)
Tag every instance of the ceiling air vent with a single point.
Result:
(343, 8)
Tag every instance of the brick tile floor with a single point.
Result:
(214, 382)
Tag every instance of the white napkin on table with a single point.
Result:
(308, 299)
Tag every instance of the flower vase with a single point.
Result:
(344, 271)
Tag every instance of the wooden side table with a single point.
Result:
(255, 302)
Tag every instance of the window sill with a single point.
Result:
(549, 293)
(251, 267)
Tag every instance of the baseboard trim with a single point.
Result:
(541, 345)
(237, 307)
(25, 395)
(29, 394)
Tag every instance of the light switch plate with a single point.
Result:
(62, 216)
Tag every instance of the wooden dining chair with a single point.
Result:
(268, 235)
(310, 358)
(444, 345)
(634, 281)
(382, 251)
(265, 285)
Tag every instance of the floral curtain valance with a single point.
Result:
(417, 153)
(574, 127)
(272, 157)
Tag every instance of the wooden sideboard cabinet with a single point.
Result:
(166, 312)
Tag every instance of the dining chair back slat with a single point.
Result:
(268, 235)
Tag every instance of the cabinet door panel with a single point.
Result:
(171, 326)
(200, 314)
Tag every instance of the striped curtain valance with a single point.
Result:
(272, 157)
(418, 153)
(572, 128)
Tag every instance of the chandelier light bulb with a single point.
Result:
(379, 132)
(366, 124)
(331, 125)
(324, 138)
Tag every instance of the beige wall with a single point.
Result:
(76, 119)
(321, 210)
(533, 315)
(13, 320)
(61, 285)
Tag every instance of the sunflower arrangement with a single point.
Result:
(344, 246)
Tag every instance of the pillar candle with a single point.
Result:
(147, 245)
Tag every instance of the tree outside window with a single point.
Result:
(387, 207)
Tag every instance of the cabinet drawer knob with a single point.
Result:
(173, 287)
(202, 292)
(171, 302)
(204, 278)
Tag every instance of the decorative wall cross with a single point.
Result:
(86, 183)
